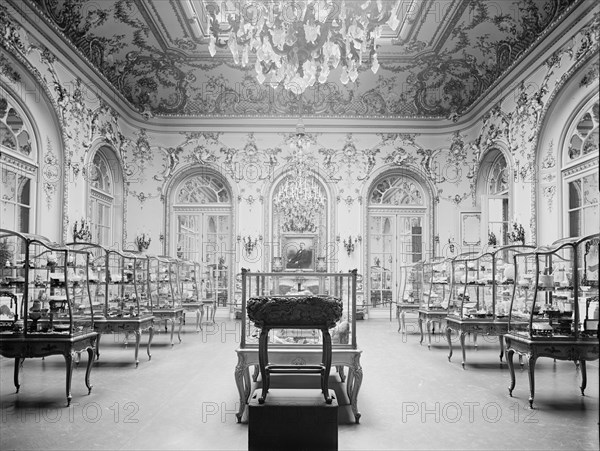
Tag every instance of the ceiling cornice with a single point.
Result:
(59, 44)
(545, 44)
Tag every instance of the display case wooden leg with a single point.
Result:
(501, 340)
(398, 315)
(357, 381)
(18, 363)
(98, 346)
(462, 347)
(238, 374)
(340, 369)
(403, 319)
(150, 336)
(138, 336)
(509, 359)
(531, 362)
(420, 320)
(172, 330)
(198, 323)
(449, 338)
(70, 362)
(88, 370)
(202, 307)
(429, 334)
(583, 377)
(349, 382)
(179, 330)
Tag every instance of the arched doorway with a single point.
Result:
(200, 221)
(397, 225)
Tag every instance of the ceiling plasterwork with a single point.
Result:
(444, 57)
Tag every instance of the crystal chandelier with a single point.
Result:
(298, 42)
(299, 199)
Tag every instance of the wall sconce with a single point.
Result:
(81, 230)
(142, 241)
(249, 243)
(349, 244)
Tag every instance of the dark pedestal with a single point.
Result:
(293, 419)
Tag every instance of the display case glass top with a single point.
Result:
(483, 282)
(49, 282)
(436, 283)
(165, 292)
(556, 290)
(411, 283)
(282, 285)
(188, 277)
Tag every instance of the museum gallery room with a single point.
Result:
(299, 224)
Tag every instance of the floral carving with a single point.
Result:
(251, 163)
(350, 157)
(549, 160)
(549, 192)
(171, 162)
(50, 173)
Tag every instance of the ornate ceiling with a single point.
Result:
(445, 55)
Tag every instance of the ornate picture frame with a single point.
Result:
(298, 252)
(470, 229)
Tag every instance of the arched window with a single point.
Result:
(200, 229)
(397, 228)
(580, 173)
(18, 163)
(106, 198)
(497, 198)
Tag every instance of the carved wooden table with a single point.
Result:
(170, 314)
(133, 325)
(300, 356)
(317, 312)
(401, 310)
(578, 350)
(32, 345)
(430, 316)
(483, 326)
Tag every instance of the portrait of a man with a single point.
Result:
(300, 258)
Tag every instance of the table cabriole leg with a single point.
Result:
(462, 347)
(18, 364)
(583, 377)
(531, 359)
(509, 359)
(138, 336)
(90, 351)
(449, 338)
(70, 362)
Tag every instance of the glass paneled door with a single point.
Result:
(395, 239)
(205, 237)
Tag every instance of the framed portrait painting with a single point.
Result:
(298, 252)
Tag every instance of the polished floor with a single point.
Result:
(411, 398)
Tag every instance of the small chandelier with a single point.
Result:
(298, 42)
(299, 199)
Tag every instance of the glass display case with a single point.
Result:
(410, 292)
(165, 293)
(291, 346)
(189, 281)
(435, 294)
(114, 292)
(554, 306)
(55, 315)
(480, 292)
